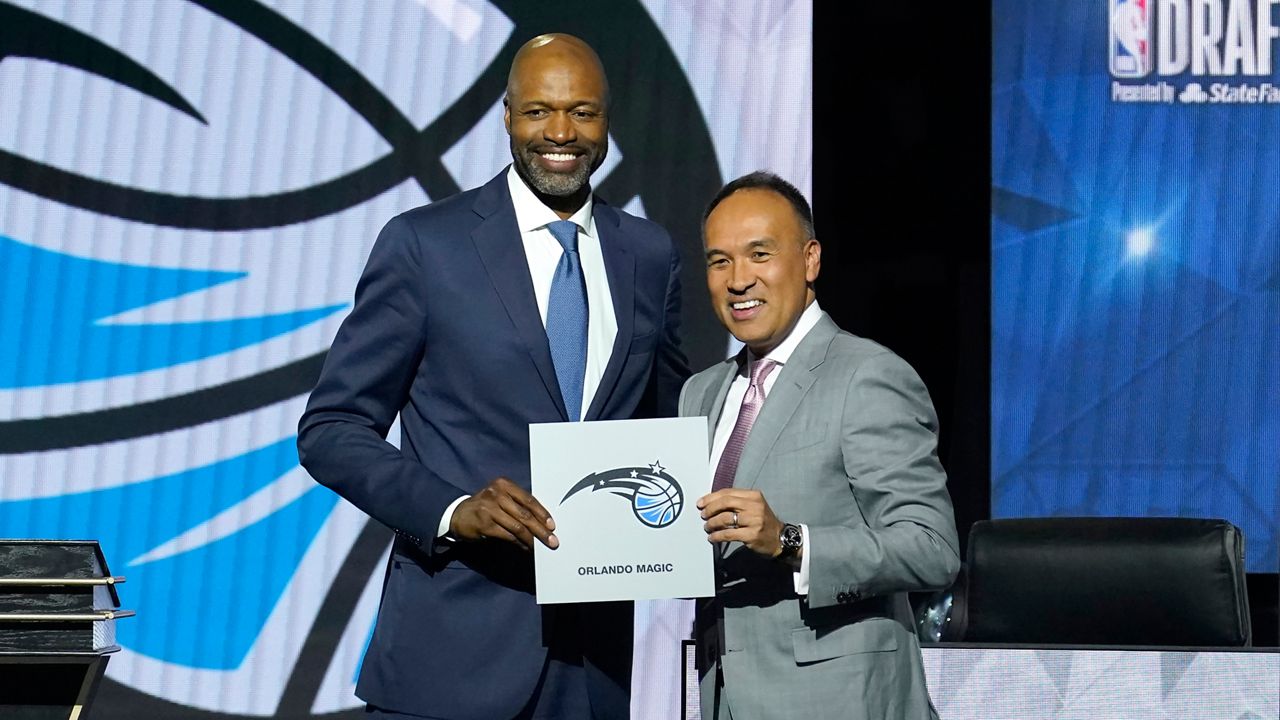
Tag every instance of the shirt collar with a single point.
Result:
(531, 214)
(782, 353)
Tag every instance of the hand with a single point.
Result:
(757, 527)
(503, 511)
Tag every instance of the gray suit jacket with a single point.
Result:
(846, 442)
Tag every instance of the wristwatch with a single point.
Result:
(792, 539)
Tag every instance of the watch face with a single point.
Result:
(791, 537)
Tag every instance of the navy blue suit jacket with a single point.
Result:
(446, 332)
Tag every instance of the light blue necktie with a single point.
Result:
(567, 318)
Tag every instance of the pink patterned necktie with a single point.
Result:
(751, 403)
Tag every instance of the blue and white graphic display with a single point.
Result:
(188, 192)
(656, 498)
(1136, 262)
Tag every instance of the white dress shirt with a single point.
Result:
(542, 251)
(733, 404)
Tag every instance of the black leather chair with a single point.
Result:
(1103, 581)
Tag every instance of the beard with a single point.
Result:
(553, 183)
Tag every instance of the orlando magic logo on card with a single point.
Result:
(1129, 53)
(656, 497)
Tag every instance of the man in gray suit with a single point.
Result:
(829, 503)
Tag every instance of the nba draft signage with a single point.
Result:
(188, 192)
(1160, 42)
(1135, 263)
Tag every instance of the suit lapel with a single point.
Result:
(620, 268)
(784, 398)
(497, 240)
(713, 401)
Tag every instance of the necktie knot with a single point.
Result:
(760, 370)
(565, 233)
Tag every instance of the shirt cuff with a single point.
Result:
(442, 532)
(801, 576)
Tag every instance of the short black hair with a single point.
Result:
(765, 180)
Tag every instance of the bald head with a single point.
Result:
(547, 52)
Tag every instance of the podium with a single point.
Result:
(58, 607)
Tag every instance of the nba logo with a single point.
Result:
(1130, 48)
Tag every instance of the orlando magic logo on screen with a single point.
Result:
(176, 276)
(656, 498)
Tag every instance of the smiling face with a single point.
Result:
(557, 117)
(761, 266)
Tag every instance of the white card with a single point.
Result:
(622, 493)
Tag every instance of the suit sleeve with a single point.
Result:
(670, 367)
(362, 387)
(889, 448)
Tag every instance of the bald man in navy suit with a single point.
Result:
(527, 300)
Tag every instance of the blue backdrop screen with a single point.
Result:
(189, 190)
(1136, 262)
